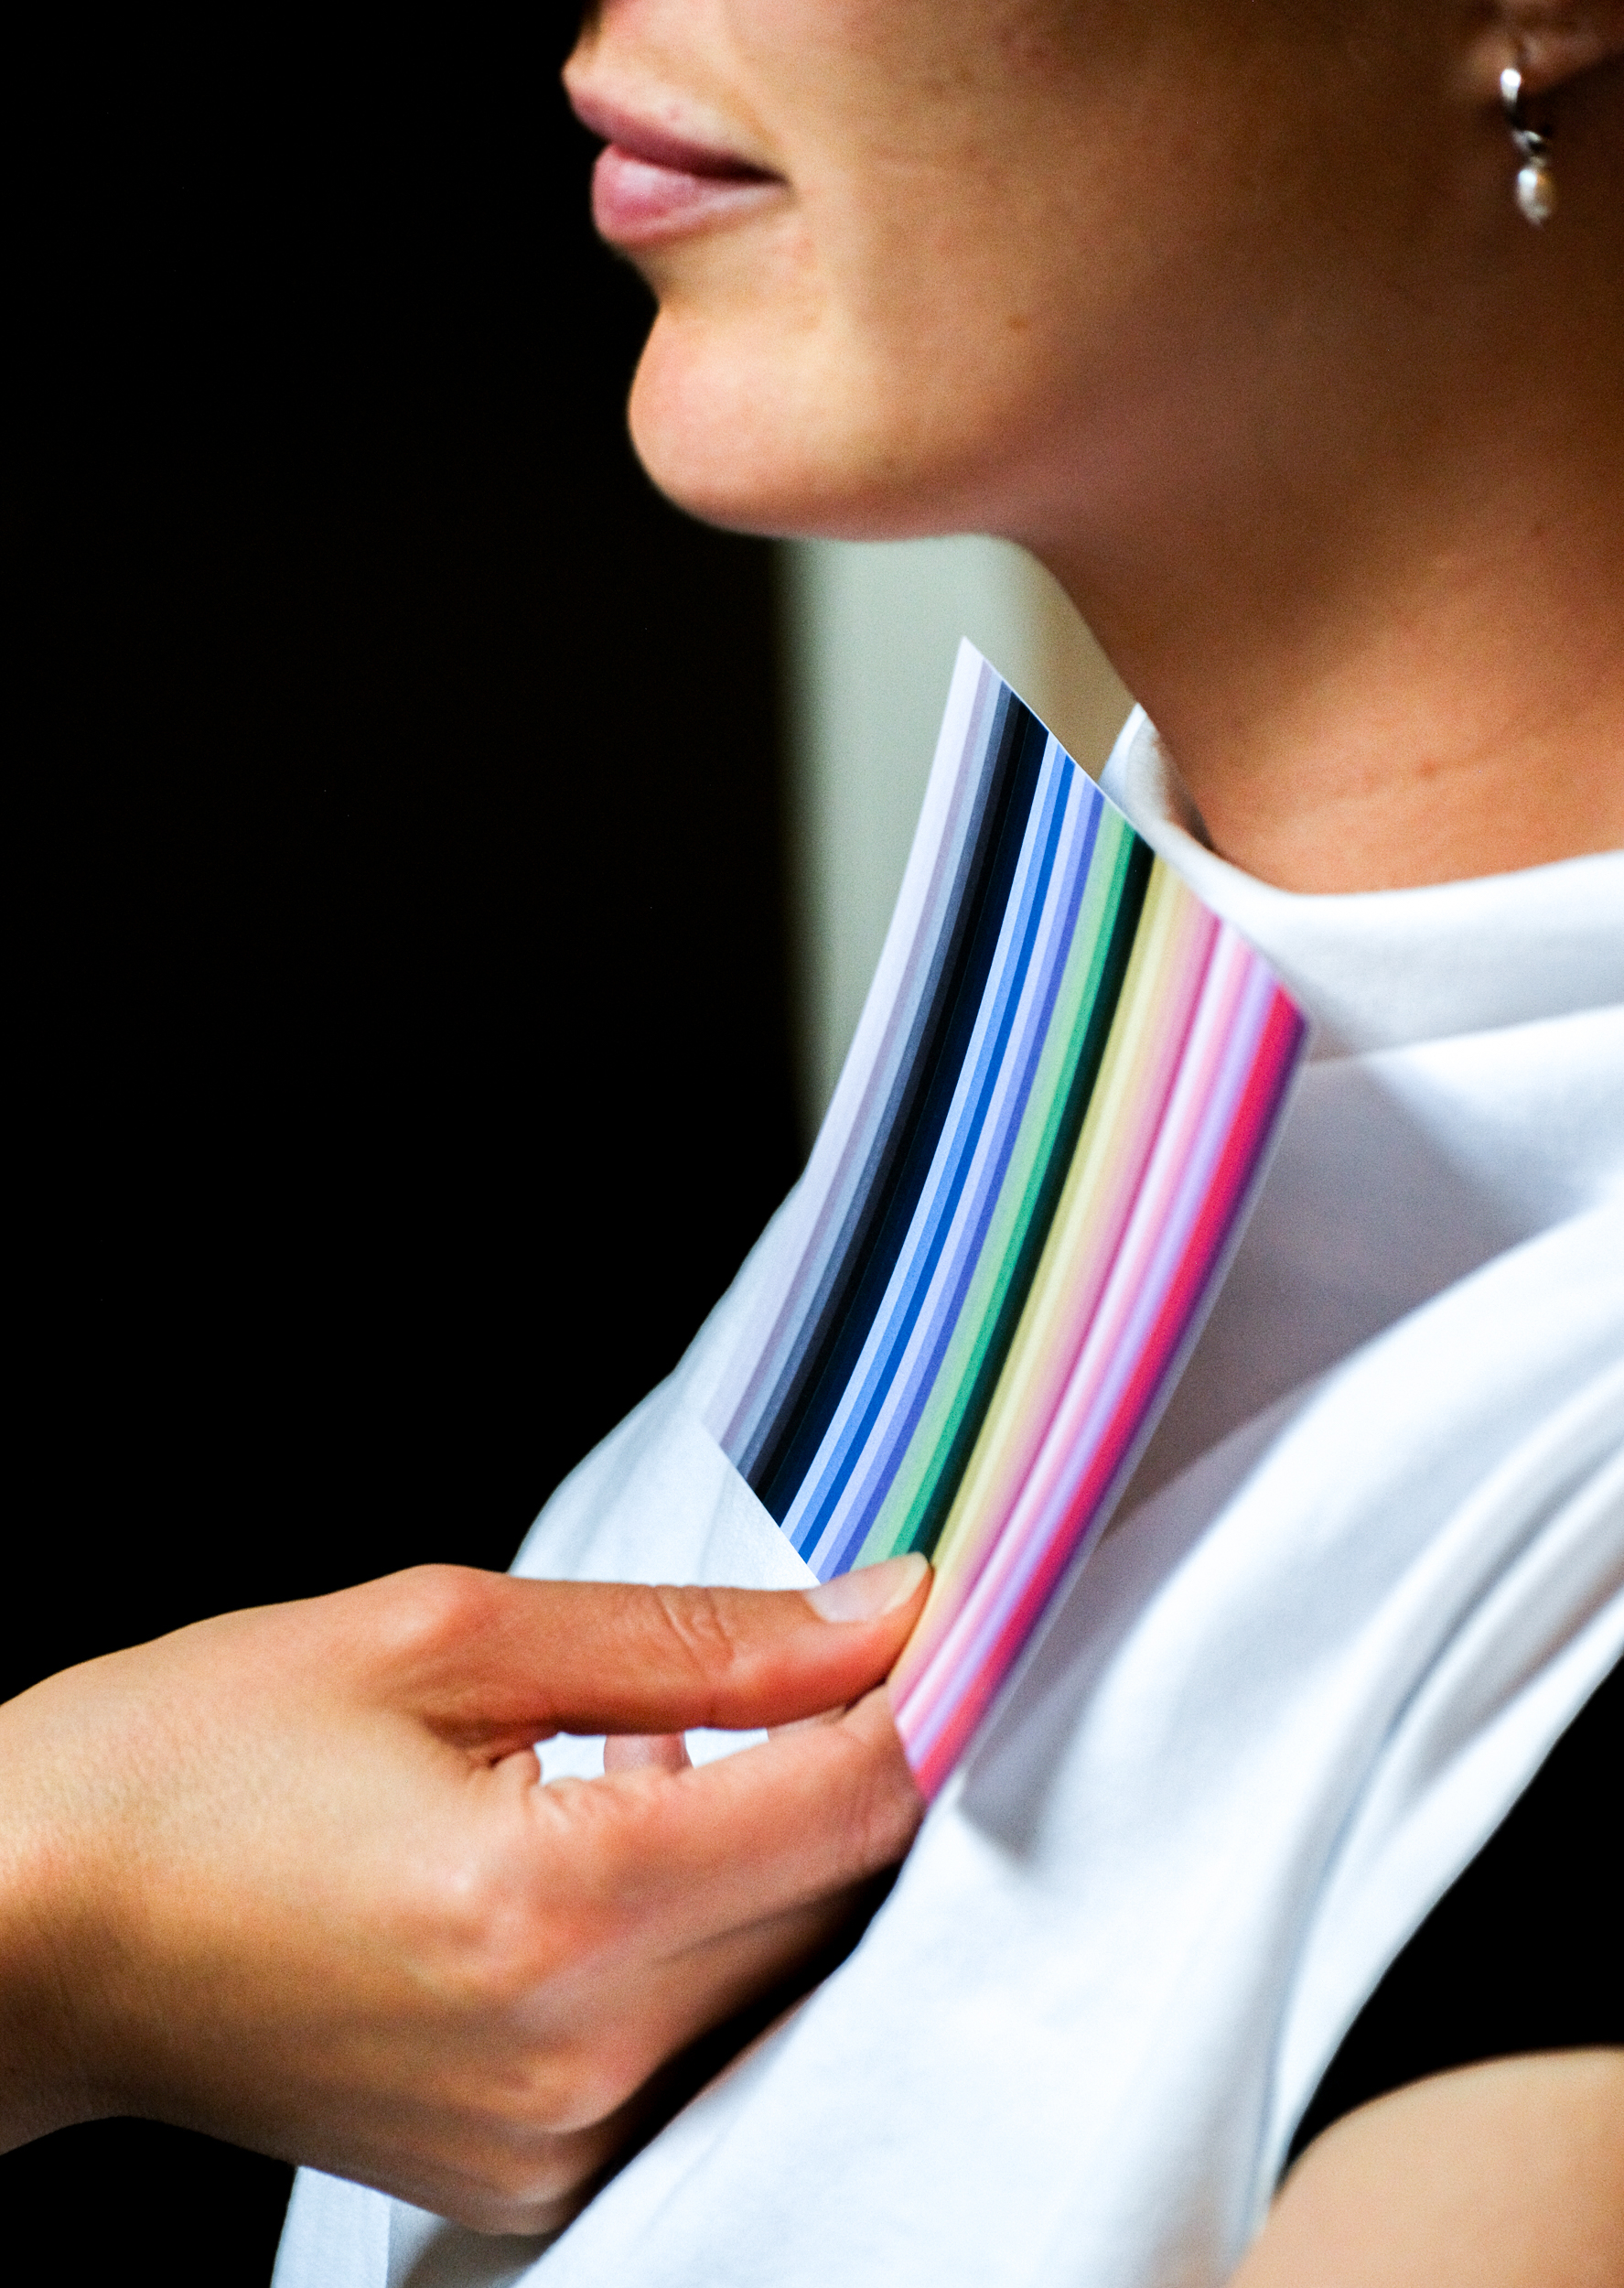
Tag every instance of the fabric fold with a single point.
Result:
(1368, 1571)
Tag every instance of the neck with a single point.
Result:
(1386, 646)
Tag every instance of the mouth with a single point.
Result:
(649, 185)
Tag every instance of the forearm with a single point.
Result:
(43, 2082)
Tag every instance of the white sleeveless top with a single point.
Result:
(1369, 1569)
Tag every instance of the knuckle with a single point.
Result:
(494, 1945)
(485, 2208)
(528, 2193)
(695, 1623)
(508, 1942)
(883, 1806)
(432, 1606)
(529, 2163)
(542, 2142)
(518, 2182)
(591, 2086)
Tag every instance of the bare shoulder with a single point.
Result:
(1509, 2175)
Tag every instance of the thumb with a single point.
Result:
(495, 1663)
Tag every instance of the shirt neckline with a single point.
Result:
(1387, 969)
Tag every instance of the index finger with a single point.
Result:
(499, 1663)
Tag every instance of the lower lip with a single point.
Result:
(636, 203)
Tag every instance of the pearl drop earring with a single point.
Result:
(1536, 185)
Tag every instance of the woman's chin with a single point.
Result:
(744, 437)
(708, 420)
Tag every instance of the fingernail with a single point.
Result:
(866, 1594)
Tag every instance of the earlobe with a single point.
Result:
(1548, 41)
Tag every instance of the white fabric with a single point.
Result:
(1369, 1569)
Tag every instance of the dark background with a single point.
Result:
(402, 1063)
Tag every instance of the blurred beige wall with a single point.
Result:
(871, 631)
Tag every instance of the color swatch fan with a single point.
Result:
(1056, 1111)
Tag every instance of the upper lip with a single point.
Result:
(641, 139)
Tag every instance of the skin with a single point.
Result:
(1502, 2176)
(1223, 309)
(292, 1876)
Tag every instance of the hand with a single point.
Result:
(292, 1876)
